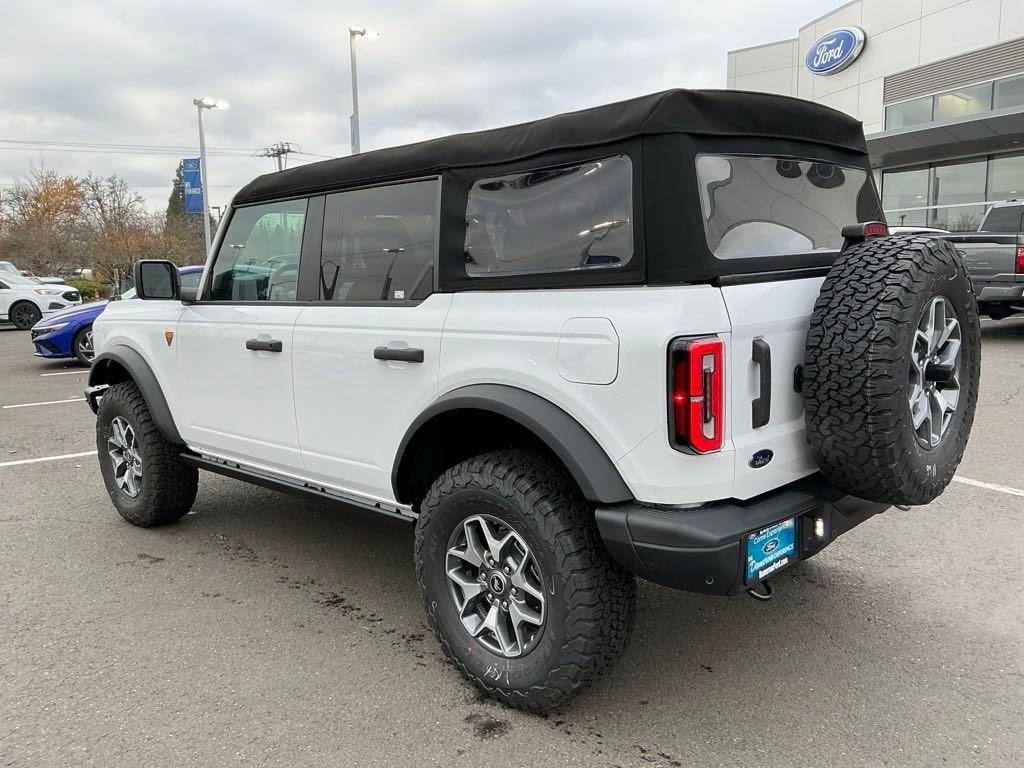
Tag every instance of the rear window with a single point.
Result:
(1006, 218)
(773, 206)
(546, 220)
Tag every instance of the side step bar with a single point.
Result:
(295, 487)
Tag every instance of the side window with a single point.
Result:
(190, 280)
(379, 243)
(258, 258)
(551, 220)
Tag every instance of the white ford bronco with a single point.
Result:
(666, 338)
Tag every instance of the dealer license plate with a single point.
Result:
(771, 549)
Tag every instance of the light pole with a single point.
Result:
(201, 104)
(354, 31)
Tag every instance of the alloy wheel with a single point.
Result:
(124, 456)
(496, 584)
(935, 371)
(85, 345)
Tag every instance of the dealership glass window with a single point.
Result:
(905, 189)
(957, 183)
(963, 101)
(1006, 177)
(378, 243)
(560, 219)
(771, 206)
(1009, 92)
(913, 112)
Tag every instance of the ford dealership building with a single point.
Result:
(938, 84)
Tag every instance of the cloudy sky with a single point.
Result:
(126, 72)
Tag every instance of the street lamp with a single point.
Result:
(201, 104)
(354, 31)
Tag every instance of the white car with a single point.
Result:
(24, 302)
(665, 338)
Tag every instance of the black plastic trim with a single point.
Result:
(761, 407)
(586, 460)
(405, 354)
(140, 372)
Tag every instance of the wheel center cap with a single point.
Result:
(496, 582)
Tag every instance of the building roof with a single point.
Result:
(703, 112)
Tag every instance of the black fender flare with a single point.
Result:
(587, 462)
(104, 372)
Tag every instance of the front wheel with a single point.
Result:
(82, 347)
(518, 586)
(147, 481)
(24, 315)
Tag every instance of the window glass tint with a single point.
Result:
(770, 206)
(963, 101)
(258, 258)
(957, 183)
(1005, 218)
(551, 220)
(905, 189)
(1010, 92)
(913, 112)
(190, 279)
(379, 243)
(1006, 177)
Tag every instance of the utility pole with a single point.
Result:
(279, 152)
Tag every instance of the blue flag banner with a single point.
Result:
(193, 179)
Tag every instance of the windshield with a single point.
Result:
(12, 279)
(772, 206)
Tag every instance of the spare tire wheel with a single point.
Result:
(893, 364)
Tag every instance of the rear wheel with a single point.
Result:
(518, 585)
(147, 481)
(82, 347)
(24, 315)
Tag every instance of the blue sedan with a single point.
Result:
(69, 333)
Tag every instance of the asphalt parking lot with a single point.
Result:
(266, 630)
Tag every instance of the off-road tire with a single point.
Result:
(168, 487)
(24, 314)
(857, 367)
(591, 599)
(76, 347)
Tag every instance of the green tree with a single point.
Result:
(176, 202)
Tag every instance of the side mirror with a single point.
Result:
(156, 280)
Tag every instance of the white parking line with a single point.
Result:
(990, 486)
(47, 458)
(66, 373)
(47, 402)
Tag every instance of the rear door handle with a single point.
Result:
(258, 345)
(404, 354)
(761, 407)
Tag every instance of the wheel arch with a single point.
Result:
(483, 417)
(121, 363)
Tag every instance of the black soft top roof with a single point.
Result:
(704, 112)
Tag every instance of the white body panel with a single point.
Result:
(352, 410)
(235, 401)
(12, 293)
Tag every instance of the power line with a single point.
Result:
(279, 152)
(34, 143)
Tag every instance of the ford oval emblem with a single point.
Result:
(769, 546)
(760, 459)
(835, 51)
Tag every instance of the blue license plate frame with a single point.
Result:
(770, 549)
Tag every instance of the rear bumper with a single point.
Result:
(702, 549)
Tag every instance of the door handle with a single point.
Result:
(258, 345)
(761, 407)
(403, 354)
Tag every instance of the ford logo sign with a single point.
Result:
(835, 51)
(760, 459)
(770, 545)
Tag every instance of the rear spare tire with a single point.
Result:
(892, 369)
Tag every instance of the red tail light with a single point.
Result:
(697, 394)
(1019, 263)
(875, 229)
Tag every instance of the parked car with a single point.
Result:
(632, 340)
(994, 256)
(23, 301)
(69, 333)
(6, 266)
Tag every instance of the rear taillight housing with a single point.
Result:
(696, 394)
(1018, 264)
